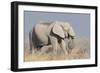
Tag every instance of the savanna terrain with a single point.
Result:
(80, 51)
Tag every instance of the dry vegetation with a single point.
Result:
(81, 51)
(75, 54)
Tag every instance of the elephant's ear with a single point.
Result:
(57, 29)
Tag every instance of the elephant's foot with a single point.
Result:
(69, 51)
(66, 53)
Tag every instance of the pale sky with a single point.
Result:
(79, 22)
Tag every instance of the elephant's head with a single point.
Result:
(58, 32)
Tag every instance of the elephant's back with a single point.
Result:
(41, 32)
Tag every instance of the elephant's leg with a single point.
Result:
(63, 46)
(46, 49)
(54, 43)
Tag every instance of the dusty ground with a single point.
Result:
(81, 51)
(75, 54)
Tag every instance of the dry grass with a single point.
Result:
(81, 51)
(75, 54)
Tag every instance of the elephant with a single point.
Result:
(52, 33)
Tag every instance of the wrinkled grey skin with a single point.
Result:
(43, 35)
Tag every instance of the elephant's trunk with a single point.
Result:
(70, 44)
